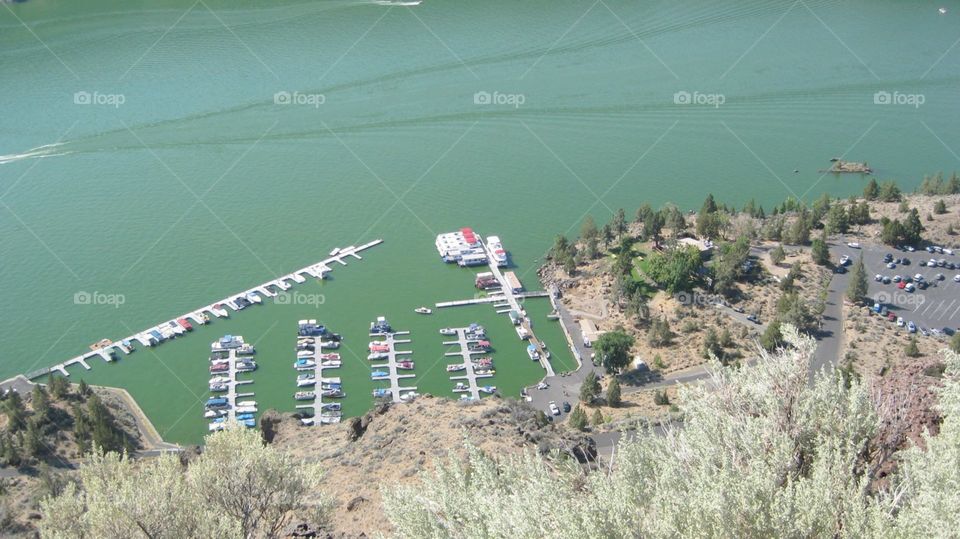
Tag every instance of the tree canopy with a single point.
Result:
(613, 348)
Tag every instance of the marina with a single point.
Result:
(394, 363)
(310, 364)
(179, 325)
(230, 356)
(504, 288)
(467, 382)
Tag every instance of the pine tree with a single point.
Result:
(58, 386)
(40, 401)
(820, 252)
(940, 207)
(613, 393)
(83, 389)
(578, 419)
(15, 411)
(597, 417)
(912, 349)
(872, 190)
(857, 289)
(590, 388)
(777, 255)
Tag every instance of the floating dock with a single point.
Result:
(317, 406)
(393, 374)
(507, 297)
(466, 356)
(149, 337)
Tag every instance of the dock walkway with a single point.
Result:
(465, 354)
(394, 376)
(317, 405)
(216, 309)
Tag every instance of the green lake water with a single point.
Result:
(201, 184)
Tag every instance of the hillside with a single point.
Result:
(392, 444)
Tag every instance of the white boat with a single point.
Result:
(332, 406)
(218, 310)
(496, 250)
(461, 388)
(331, 363)
(305, 353)
(330, 380)
(219, 380)
(377, 355)
(210, 414)
(522, 333)
(423, 310)
(253, 297)
(214, 427)
(455, 368)
(247, 403)
(306, 382)
(306, 340)
(246, 409)
(448, 331)
(328, 420)
(409, 396)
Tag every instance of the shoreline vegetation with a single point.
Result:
(864, 450)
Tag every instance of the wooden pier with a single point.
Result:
(317, 406)
(317, 270)
(393, 374)
(466, 356)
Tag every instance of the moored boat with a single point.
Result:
(304, 364)
(332, 355)
(455, 368)
(423, 310)
(378, 374)
(333, 393)
(305, 395)
(448, 331)
(185, 324)
(378, 355)
(489, 390)
(381, 392)
(380, 326)
(405, 365)
(461, 388)
(331, 363)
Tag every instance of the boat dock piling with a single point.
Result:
(317, 270)
(393, 374)
(465, 354)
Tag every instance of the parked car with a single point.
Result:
(900, 323)
(753, 318)
(902, 285)
(897, 278)
(840, 269)
(924, 332)
(886, 280)
(929, 249)
(566, 407)
(948, 251)
(922, 285)
(911, 327)
(891, 317)
(918, 277)
(923, 263)
(905, 261)
(553, 408)
(887, 257)
(956, 278)
(909, 287)
(853, 245)
(891, 265)
(940, 277)
(910, 248)
(878, 277)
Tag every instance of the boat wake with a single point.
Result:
(47, 150)
(408, 3)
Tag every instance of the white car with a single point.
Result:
(853, 245)
(899, 323)
(948, 251)
(844, 259)
(956, 278)
(879, 277)
(910, 248)
(911, 327)
(918, 277)
(542, 385)
(553, 408)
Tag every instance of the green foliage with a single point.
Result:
(771, 337)
(659, 333)
(675, 269)
(58, 386)
(777, 255)
(15, 411)
(820, 252)
(793, 310)
(83, 389)
(40, 402)
(597, 418)
(619, 223)
(728, 264)
(889, 192)
(837, 220)
(912, 349)
(904, 207)
(590, 388)
(578, 419)
(660, 398)
(955, 342)
(613, 347)
(940, 207)
(857, 289)
(95, 428)
(872, 190)
(613, 392)
(937, 186)
(237, 487)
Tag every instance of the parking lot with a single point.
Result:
(934, 309)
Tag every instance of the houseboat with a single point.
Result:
(380, 326)
(497, 252)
